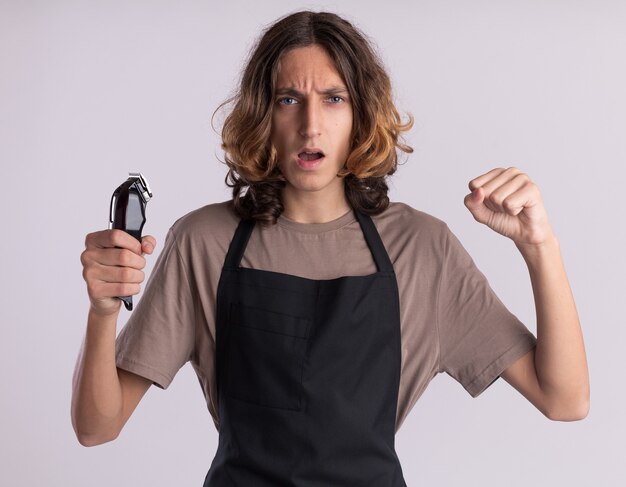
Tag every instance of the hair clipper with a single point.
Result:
(128, 211)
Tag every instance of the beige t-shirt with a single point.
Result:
(450, 319)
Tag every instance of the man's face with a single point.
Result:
(311, 122)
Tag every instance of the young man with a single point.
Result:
(313, 310)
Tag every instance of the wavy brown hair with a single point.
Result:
(253, 170)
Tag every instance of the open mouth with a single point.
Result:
(310, 156)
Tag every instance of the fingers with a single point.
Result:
(95, 272)
(100, 292)
(113, 274)
(117, 248)
(148, 244)
(512, 196)
(494, 178)
(104, 283)
(504, 189)
(112, 266)
(112, 257)
(112, 238)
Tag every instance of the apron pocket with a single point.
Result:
(266, 353)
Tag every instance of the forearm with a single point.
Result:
(96, 390)
(560, 359)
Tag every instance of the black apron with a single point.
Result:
(307, 375)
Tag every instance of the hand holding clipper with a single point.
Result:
(128, 212)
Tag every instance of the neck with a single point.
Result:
(313, 207)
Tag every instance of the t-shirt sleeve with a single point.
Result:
(479, 337)
(158, 338)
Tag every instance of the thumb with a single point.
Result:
(148, 243)
(474, 203)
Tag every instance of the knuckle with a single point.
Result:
(90, 240)
(126, 274)
(507, 204)
(523, 176)
(125, 257)
(118, 237)
(89, 273)
(115, 236)
(496, 197)
(91, 289)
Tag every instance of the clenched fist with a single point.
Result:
(510, 203)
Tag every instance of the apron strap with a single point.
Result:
(238, 243)
(374, 242)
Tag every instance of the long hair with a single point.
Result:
(253, 170)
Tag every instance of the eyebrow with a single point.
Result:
(289, 90)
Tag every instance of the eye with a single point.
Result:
(335, 99)
(287, 100)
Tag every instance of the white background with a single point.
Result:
(92, 90)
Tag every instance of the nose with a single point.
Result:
(311, 121)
